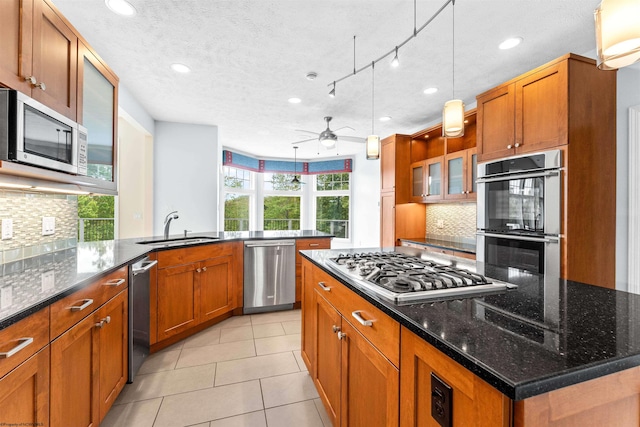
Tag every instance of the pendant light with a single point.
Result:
(295, 179)
(373, 140)
(617, 33)
(453, 111)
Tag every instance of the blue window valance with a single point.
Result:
(242, 161)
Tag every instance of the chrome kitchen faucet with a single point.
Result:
(167, 222)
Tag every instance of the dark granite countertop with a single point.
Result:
(547, 334)
(29, 285)
(442, 244)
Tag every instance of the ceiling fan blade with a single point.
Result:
(307, 131)
(304, 140)
(352, 139)
(344, 127)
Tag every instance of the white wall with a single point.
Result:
(130, 108)
(186, 160)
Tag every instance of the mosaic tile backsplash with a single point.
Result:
(26, 210)
(454, 222)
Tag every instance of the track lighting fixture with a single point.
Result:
(395, 62)
(333, 91)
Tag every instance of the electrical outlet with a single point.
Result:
(441, 402)
(48, 279)
(48, 225)
(440, 223)
(6, 297)
(7, 228)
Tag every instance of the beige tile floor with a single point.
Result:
(245, 371)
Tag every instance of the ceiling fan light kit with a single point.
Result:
(617, 33)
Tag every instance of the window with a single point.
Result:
(281, 202)
(332, 200)
(238, 191)
(96, 220)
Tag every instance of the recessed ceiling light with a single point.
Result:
(295, 100)
(431, 90)
(384, 118)
(121, 7)
(311, 75)
(510, 43)
(180, 68)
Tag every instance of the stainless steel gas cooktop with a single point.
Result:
(403, 278)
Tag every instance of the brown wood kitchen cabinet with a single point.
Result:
(544, 108)
(306, 245)
(24, 370)
(354, 350)
(398, 216)
(42, 54)
(195, 285)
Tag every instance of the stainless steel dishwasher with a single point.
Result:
(139, 316)
(269, 275)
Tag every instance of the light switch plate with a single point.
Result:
(48, 280)
(7, 228)
(440, 223)
(48, 225)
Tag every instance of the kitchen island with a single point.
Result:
(551, 352)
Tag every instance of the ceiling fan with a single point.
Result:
(328, 138)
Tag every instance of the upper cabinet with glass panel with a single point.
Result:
(98, 113)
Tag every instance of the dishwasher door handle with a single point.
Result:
(146, 265)
(267, 245)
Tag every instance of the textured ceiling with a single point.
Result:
(249, 56)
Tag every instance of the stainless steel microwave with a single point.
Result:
(34, 134)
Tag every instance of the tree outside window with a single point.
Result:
(237, 199)
(96, 218)
(333, 204)
(281, 210)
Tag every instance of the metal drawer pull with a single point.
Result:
(114, 282)
(311, 245)
(335, 328)
(356, 315)
(87, 303)
(341, 335)
(23, 343)
(324, 288)
(103, 322)
(204, 268)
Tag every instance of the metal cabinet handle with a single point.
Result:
(22, 343)
(324, 288)
(41, 85)
(517, 144)
(204, 268)
(335, 328)
(356, 315)
(30, 79)
(103, 322)
(87, 303)
(313, 245)
(198, 270)
(114, 282)
(341, 335)
(509, 146)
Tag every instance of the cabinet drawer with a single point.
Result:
(75, 307)
(381, 330)
(23, 339)
(312, 244)
(193, 254)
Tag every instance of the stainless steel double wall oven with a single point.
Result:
(519, 212)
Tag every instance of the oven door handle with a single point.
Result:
(506, 177)
(546, 239)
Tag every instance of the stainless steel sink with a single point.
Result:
(179, 241)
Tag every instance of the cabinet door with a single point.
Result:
(542, 109)
(24, 392)
(215, 283)
(434, 178)
(370, 383)
(387, 220)
(308, 334)
(55, 56)
(417, 176)
(75, 375)
(177, 300)
(328, 357)
(495, 123)
(388, 164)
(455, 182)
(113, 339)
(97, 111)
(15, 40)
(472, 173)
